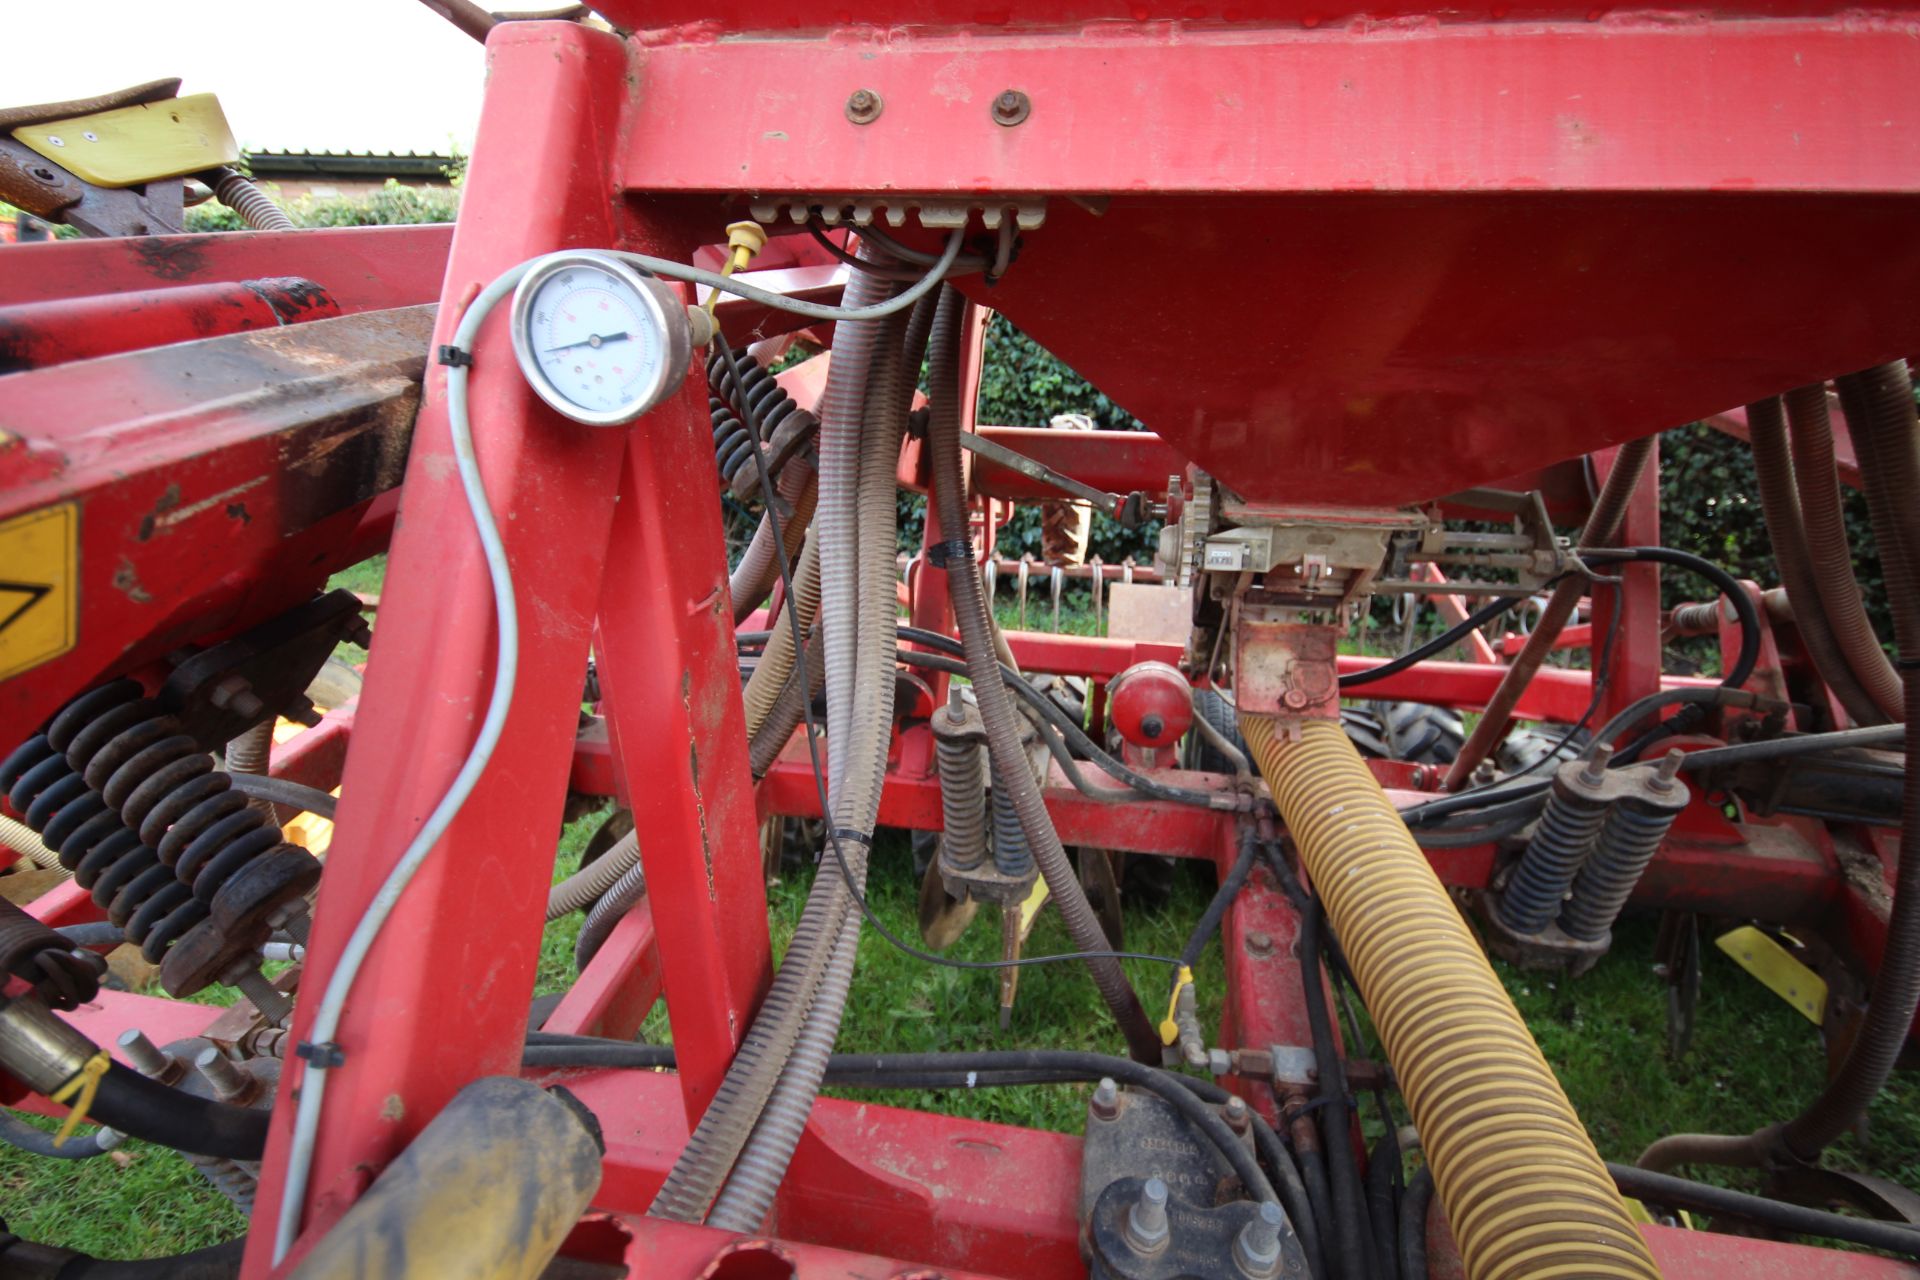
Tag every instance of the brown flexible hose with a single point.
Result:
(767, 684)
(1003, 738)
(754, 576)
(1609, 509)
(1818, 484)
(1780, 504)
(1880, 411)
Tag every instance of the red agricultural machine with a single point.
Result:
(1398, 291)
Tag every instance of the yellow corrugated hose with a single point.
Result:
(1526, 1194)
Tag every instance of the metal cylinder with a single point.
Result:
(1575, 812)
(963, 796)
(1631, 835)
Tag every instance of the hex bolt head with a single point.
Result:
(1011, 107)
(864, 106)
(1147, 1218)
(1256, 1250)
(1106, 1100)
(1237, 1115)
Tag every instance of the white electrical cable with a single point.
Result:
(814, 310)
(326, 1020)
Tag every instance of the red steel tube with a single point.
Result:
(34, 335)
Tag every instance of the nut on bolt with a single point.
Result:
(864, 106)
(1256, 1250)
(1106, 1100)
(1011, 108)
(1147, 1218)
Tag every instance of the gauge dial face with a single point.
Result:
(593, 338)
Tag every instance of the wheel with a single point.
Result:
(1529, 749)
(333, 684)
(1197, 752)
(1368, 732)
(1420, 733)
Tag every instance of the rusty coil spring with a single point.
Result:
(144, 764)
(125, 877)
(61, 976)
(1012, 855)
(728, 407)
(1628, 840)
(963, 803)
(1554, 855)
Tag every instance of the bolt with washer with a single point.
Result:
(864, 106)
(1256, 1250)
(1147, 1228)
(1106, 1100)
(1012, 107)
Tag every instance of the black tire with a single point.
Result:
(1422, 734)
(1526, 750)
(1197, 752)
(1367, 731)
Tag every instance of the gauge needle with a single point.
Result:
(592, 340)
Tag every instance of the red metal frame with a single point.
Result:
(1390, 167)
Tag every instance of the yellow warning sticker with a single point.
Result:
(39, 563)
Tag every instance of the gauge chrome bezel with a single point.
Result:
(662, 308)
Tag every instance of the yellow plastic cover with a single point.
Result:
(131, 145)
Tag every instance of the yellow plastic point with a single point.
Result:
(1169, 1029)
(1777, 970)
(744, 239)
(84, 1084)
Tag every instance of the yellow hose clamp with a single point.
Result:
(1169, 1029)
(81, 1087)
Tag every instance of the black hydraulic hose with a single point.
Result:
(1439, 644)
(1383, 1171)
(1352, 1252)
(1003, 740)
(215, 1262)
(1313, 1172)
(17, 1133)
(1236, 879)
(1413, 1224)
(153, 1112)
(1742, 603)
(1699, 1197)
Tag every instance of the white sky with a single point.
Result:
(292, 75)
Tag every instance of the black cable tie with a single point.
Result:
(940, 553)
(848, 833)
(455, 357)
(325, 1055)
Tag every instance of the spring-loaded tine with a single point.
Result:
(1059, 577)
(1026, 563)
(993, 577)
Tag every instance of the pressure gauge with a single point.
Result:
(598, 340)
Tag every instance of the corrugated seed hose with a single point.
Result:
(1526, 1194)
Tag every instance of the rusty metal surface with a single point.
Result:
(216, 483)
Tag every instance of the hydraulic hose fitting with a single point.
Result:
(958, 735)
(1525, 1191)
(1632, 833)
(1576, 810)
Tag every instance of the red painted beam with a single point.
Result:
(364, 268)
(613, 996)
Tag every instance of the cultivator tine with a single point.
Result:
(1026, 564)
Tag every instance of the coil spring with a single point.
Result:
(1629, 839)
(62, 977)
(1012, 855)
(733, 443)
(1696, 619)
(126, 878)
(963, 804)
(1553, 856)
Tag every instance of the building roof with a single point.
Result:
(348, 164)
